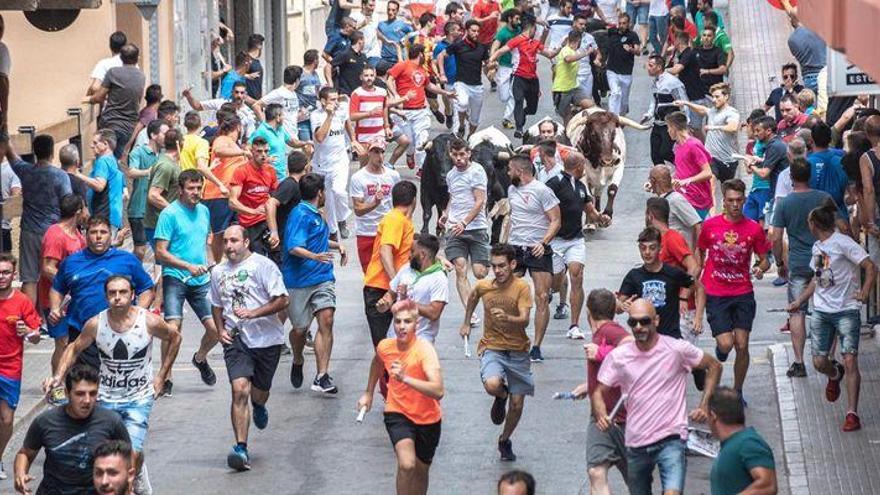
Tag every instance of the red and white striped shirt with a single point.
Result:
(363, 100)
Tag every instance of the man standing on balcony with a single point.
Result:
(121, 93)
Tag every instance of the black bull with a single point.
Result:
(435, 191)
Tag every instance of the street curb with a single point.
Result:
(795, 462)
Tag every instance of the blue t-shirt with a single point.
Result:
(827, 174)
(449, 66)
(228, 81)
(108, 202)
(141, 158)
(186, 230)
(277, 139)
(394, 31)
(307, 229)
(336, 43)
(42, 188)
(307, 91)
(82, 276)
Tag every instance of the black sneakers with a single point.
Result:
(296, 375)
(499, 410)
(167, 388)
(796, 370)
(505, 447)
(205, 371)
(324, 384)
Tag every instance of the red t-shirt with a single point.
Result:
(729, 247)
(689, 27)
(16, 307)
(673, 250)
(488, 29)
(609, 334)
(525, 56)
(57, 245)
(408, 75)
(256, 186)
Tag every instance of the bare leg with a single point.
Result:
(514, 412)
(324, 340)
(402, 144)
(576, 274)
(421, 479)
(461, 279)
(60, 345)
(741, 365)
(407, 479)
(241, 411)
(7, 415)
(217, 246)
(542, 304)
(599, 480)
(259, 397)
(209, 339)
(140, 252)
(853, 380)
(797, 326)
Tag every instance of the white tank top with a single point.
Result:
(126, 360)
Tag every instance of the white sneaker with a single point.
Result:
(142, 484)
(575, 333)
(475, 320)
(3, 475)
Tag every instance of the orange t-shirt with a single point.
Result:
(403, 399)
(222, 168)
(397, 231)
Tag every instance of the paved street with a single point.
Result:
(313, 445)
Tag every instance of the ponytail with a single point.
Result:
(823, 217)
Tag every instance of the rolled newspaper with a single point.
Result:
(467, 347)
(361, 414)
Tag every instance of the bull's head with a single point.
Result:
(597, 141)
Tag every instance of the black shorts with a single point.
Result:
(258, 364)
(426, 437)
(725, 314)
(220, 212)
(138, 236)
(525, 260)
(661, 145)
(723, 171)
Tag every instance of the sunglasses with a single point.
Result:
(789, 76)
(639, 322)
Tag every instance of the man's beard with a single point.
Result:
(515, 181)
(415, 264)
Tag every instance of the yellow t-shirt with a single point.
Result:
(194, 148)
(566, 72)
(500, 336)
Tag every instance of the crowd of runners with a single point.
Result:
(248, 213)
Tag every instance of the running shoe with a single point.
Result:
(475, 321)
(261, 416)
(493, 86)
(785, 328)
(722, 356)
(167, 388)
(324, 384)
(796, 370)
(44, 332)
(851, 422)
(506, 449)
(238, 459)
(142, 483)
(506, 124)
(460, 132)
(779, 281)
(832, 388)
(561, 311)
(499, 409)
(411, 161)
(57, 397)
(286, 351)
(575, 333)
(3, 474)
(296, 375)
(205, 371)
(535, 355)
(439, 116)
(518, 134)
(449, 122)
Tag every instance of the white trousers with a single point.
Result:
(336, 198)
(618, 99)
(505, 90)
(469, 100)
(416, 124)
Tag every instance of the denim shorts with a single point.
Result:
(638, 13)
(513, 367)
(136, 417)
(824, 327)
(175, 292)
(669, 457)
(797, 284)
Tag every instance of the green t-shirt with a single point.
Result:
(504, 35)
(566, 72)
(141, 158)
(163, 176)
(722, 40)
(740, 453)
(506, 4)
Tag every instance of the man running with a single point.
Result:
(247, 295)
(308, 276)
(470, 61)
(727, 243)
(511, 26)
(412, 405)
(249, 191)
(465, 218)
(623, 46)
(534, 222)
(371, 196)
(124, 336)
(666, 90)
(503, 349)
(368, 111)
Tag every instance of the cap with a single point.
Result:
(377, 143)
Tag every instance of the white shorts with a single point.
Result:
(567, 251)
(469, 99)
(416, 124)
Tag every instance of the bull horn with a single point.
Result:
(503, 155)
(428, 145)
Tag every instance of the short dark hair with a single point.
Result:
(259, 141)
(451, 7)
(44, 147)
(518, 476)
(97, 220)
(192, 120)
(129, 54)
(155, 126)
(70, 205)
(355, 37)
(800, 170)
(8, 258)
(117, 41)
(547, 147)
(153, 94)
(574, 36)
(659, 208)
(767, 122)
(821, 134)
(507, 14)
(325, 92)
(173, 140)
(457, 144)
(756, 115)
(189, 175)
(110, 448)
(683, 37)
(273, 110)
(471, 22)
(788, 99)
(310, 56)
(238, 84)
(677, 119)
(403, 193)
(255, 40)
(429, 242)
(678, 22)
(503, 249)
(78, 373)
(115, 277)
(166, 108)
(228, 124)
(296, 162)
(108, 137)
(242, 58)
(292, 73)
(309, 185)
(447, 28)
(727, 404)
(601, 304)
(790, 66)
(650, 234)
(425, 18)
(733, 185)
(710, 16)
(657, 59)
(415, 50)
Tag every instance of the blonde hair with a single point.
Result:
(806, 98)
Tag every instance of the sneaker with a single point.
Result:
(261, 416)
(535, 355)
(411, 161)
(475, 321)
(699, 379)
(439, 116)
(142, 485)
(296, 375)
(205, 370)
(780, 281)
(493, 86)
(238, 459)
(449, 122)
(286, 350)
(419, 174)
(324, 384)
(785, 328)
(310, 341)
(506, 449)
(343, 230)
(507, 124)
(167, 388)
(561, 311)
(3, 474)
(721, 356)
(518, 134)
(499, 409)
(57, 397)
(460, 132)
(851, 422)
(832, 388)
(796, 370)
(575, 333)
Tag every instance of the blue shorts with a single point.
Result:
(669, 457)
(756, 202)
(136, 417)
(638, 13)
(513, 367)
(57, 331)
(10, 391)
(824, 327)
(305, 130)
(729, 313)
(797, 284)
(175, 291)
(221, 214)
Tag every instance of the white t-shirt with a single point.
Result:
(364, 186)
(585, 71)
(372, 46)
(784, 186)
(528, 207)
(290, 102)
(658, 8)
(10, 181)
(6, 60)
(427, 289)
(104, 65)
(244, 113)
(544, 175)
(249, 284)
(461, 195)
(334, 149)
(608, 7)
(559, 27)
(836, 263)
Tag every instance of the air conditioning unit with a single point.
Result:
(50, 15)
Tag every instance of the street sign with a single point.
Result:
(845, 79)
